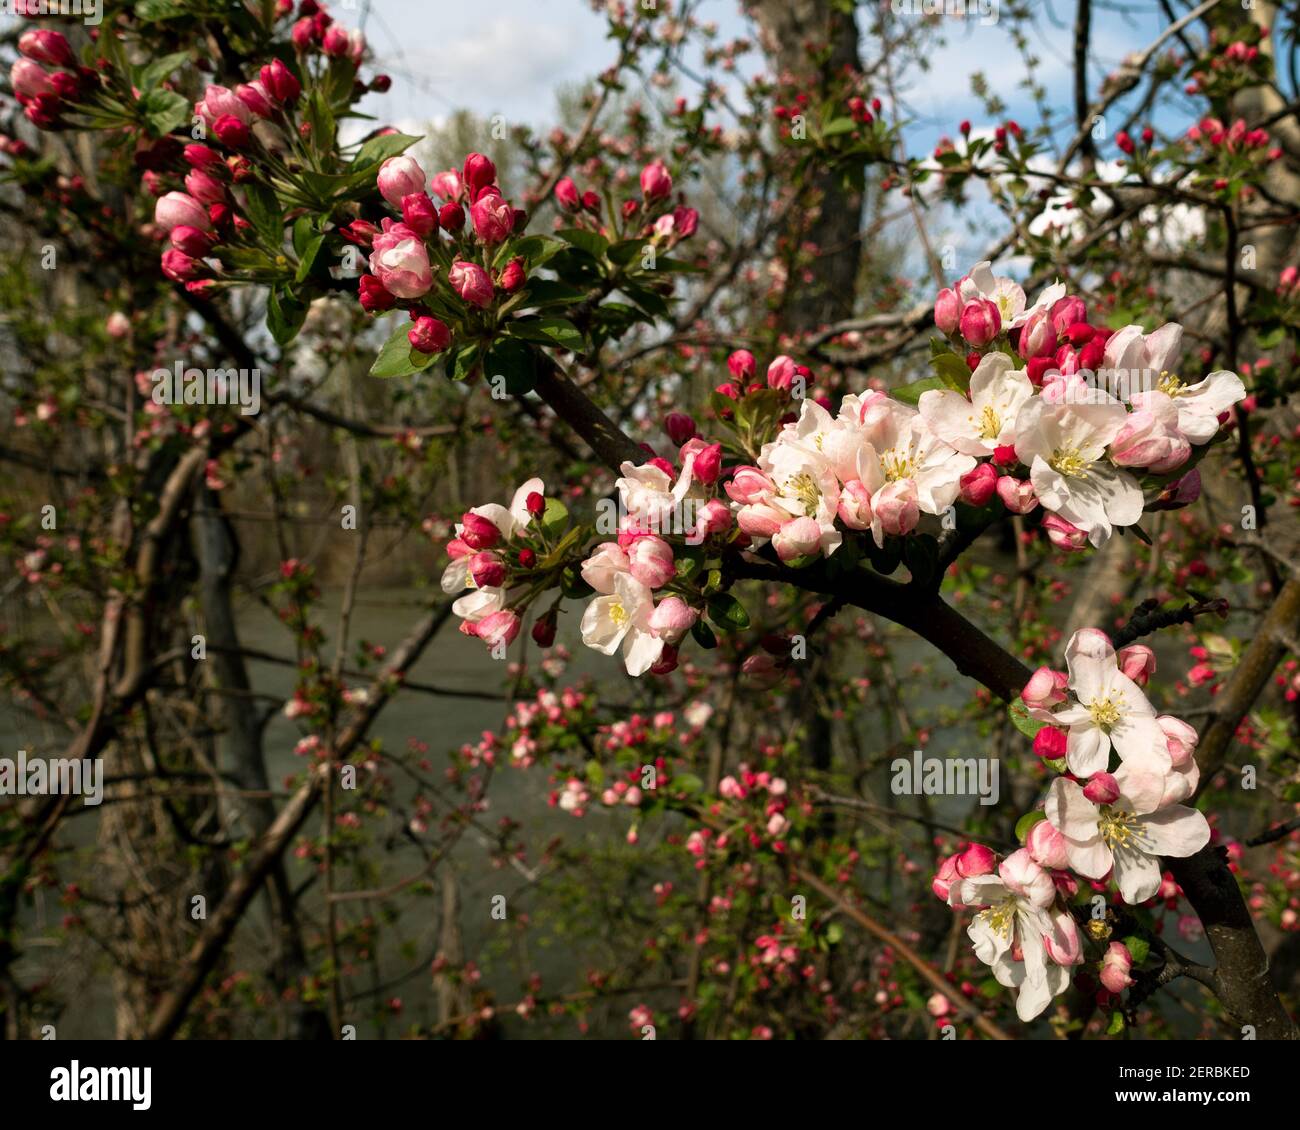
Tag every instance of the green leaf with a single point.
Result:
(626, 250)
(151, 75)
(1116, 1025)
(838, 126)
(555, 517)
(264, 212)
(1019, 714)
(285, 313)
(687, 783)
(727, 612)
(308, 259)
(952, 370)
(150, 11)
(462, 361)
(910, 394)
(548, 292)
(164, 110)
(703, 635)
(514, 361)
(1140, 948)
(378, 149)
(551, 330)
(593, 244)
(394, 359)
(1027, 821)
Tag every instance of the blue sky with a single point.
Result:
(508, 57)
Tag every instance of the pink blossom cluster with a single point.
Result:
(1115, 809)
(43, 94)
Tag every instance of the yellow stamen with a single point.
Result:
(990, 423)
(1069, 462)
(1118, 828)
(804, 488)
(618, 614)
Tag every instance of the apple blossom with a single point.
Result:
(1128, 835)
(623, 618)
(1064, 446)
(979, 425)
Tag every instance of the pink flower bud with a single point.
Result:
(191, 241)
(975, 860)
(1102, 788)
(978, 485)
(1067, 312)
(1037, 337)
(656, 182)
(1115, 967)
(759, 520)
(446, 186)
(980, 322)
(781, 373)
(680, 427)
(487, 569)
(1064, 945)
(217, 103)
(471, 282)
(1046, 688)
(763, 671)
(1138, 662)
(400, 261)
(451, 217)
(374, 296)
(335, 41)
(178, 208)
(279, 81)
(567, 196)
(714, 518)
(1150, 438)
(945, 877)
(398, 177)
(255, 97)
(798, 537)
(1050, 743)
(749, 485)
(742, 365)
(651, 561)
(513, 276)
(1180, 739)
(947, 310)
(1047, 846)
(429, 335)
(854, 509)
(47, 46)
(231, 131)
(478, 532)
(1064, 535)
(895, 506)
(498, 628)
(419, 213)
(204, 187)
(179, 267)
(672, 619)
(1017, 495)
(708, 462)
(477, 174)
(493, 218)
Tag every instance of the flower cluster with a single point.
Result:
(494, 545)
(1113, 812)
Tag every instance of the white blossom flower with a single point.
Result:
(1009, 932)
(1064, 445)
(985, 421)
(623, 617)
(1129, 835)
(910, 453)
(1111, 712)
(1006, 294)
(456, 577)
